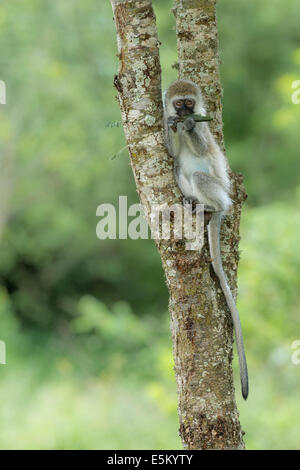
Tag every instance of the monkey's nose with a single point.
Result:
(184, 111)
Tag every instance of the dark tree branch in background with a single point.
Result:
(200, 321)
(6, 183)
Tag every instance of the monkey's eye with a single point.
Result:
(189, 103)
(178, 104)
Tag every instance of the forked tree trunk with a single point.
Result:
(200, 321)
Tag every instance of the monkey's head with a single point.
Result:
(184, 106)
(183, 97)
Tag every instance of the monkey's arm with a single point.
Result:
(194, 137)
(201, 142)
(171, 135)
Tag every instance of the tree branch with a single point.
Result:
(200, 321)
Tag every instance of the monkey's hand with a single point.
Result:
(172, 122)
(189, 124)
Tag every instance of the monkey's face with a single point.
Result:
(183, 107)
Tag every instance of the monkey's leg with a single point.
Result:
(210, 192)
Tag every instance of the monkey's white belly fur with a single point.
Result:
(191, 163)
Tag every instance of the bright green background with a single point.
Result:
(85, 321)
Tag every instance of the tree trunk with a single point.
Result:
(200, 321)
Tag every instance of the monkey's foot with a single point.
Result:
(190, 201)
(208, 210)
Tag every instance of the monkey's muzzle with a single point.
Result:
(184, 111)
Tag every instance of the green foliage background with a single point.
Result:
(89, 362)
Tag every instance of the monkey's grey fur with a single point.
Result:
(201, 174)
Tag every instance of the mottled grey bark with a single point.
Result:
(200, 321)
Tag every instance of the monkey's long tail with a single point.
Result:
(215, 253)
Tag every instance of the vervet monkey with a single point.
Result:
(202, 176)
